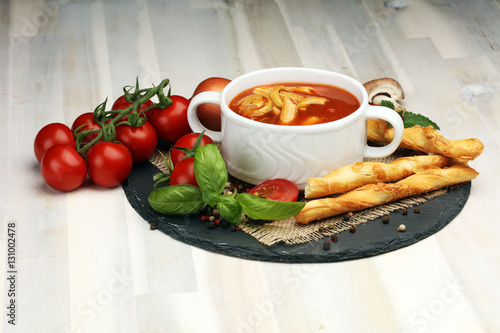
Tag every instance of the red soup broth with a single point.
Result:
(338, 103)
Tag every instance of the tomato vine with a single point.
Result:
(110, 119)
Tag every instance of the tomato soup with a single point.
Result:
(294, 103)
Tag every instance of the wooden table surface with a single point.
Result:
(85, 261)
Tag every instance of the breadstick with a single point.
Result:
(361, 173)
(426, 139)
(376, 194)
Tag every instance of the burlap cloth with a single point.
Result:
(291, 232)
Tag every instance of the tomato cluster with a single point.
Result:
(181, 160)
(183, 166)
(105, 144)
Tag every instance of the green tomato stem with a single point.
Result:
(110, 119)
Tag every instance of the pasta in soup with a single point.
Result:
(294, 103)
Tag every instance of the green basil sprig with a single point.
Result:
(229, 208)
(178, 199)
(263, 209)
(211, 175)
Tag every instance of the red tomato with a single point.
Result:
(121, 104)
(208, 113)
(63, 168)
(276, 189)
(183, 173)
(187, 141)
(109, 163)
(171, 123)
(86, 119)
(141, 141)
(51, 135)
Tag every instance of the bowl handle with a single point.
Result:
(193, 120)
(385, 113)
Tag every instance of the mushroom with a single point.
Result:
(384, 89)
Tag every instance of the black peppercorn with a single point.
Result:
(348, 216)
(224, 223)
(234, 227)
(326, 245)
(211, 225)
(385, 219)
(404, 211)
(416, 210)
(153, 226)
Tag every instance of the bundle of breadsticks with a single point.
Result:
(352, 176)
(368, 184)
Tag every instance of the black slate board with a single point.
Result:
(370, 238)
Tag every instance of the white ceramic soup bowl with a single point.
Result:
(256, 151)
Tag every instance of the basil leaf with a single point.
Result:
(387, 104)
(177, 199)
(230, 209)
(210, 197)
(210, 171)
(411, 119)
(263, 209)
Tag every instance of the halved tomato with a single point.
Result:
(278, 189)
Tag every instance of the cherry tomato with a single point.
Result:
(171, 123)
(89, 124)
(63, 168)
(109, 163)
(141, 141)
(276, 189)
(51, 135)
(187, 141)
(121, 103)
(183, 173)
